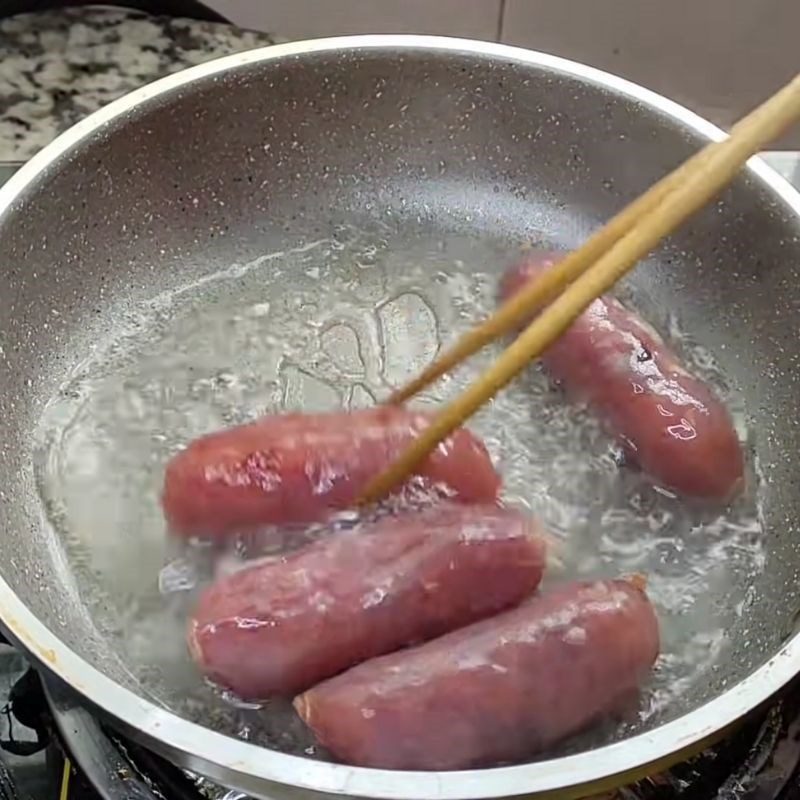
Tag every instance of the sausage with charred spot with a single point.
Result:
(297, 468)
(669, 422)
(499, 690)
(279, 627)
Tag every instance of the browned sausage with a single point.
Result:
(296, 468)
(279, 627)
(668, 421)
(499, 690)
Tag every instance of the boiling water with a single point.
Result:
(338, 323)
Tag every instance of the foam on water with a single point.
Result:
(338, 323)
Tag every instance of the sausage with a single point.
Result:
(499, 690)
(283, 625)
(297, 468)
(668, 421)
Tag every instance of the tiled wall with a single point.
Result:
(719, 57)
(477, 19)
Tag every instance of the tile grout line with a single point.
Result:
(501, 19)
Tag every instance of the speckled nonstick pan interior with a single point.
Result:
(424, 140)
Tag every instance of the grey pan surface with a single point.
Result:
(267, 150)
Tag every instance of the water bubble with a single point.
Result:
(177, 576)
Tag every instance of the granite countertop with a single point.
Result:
(58, 66)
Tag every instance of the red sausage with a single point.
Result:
(280, 627)
(668, 422)
(499, 690)
(296, 468)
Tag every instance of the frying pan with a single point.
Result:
(302, 225)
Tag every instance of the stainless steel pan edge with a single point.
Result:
(266, 773)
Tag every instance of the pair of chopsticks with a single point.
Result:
(584, 275)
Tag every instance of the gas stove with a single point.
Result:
(50, 746)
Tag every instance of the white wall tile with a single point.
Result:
(296, 19)
(720, 57)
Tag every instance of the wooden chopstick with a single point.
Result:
(541, 290)
(697, 182)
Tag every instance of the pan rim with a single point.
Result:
(257, 770)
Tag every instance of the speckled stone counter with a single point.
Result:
(58, 66)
